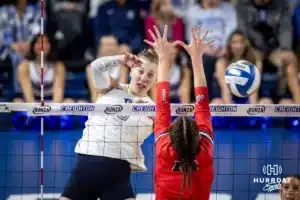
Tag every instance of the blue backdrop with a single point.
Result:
(240, 156)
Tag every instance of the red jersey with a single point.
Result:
(168, 184)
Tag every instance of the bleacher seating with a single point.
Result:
(76, 80)
(6, 82)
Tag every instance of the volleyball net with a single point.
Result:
(256, 147)
(242, 110)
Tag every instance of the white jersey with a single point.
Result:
(35, 77)
(222, 21)
(117, 136)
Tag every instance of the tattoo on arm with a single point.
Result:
(104, 64)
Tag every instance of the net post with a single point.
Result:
(42, 104)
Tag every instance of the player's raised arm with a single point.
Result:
(101, 66)
(164, 49)
(202, 110)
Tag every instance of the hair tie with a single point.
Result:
(176, 166)
(195, 165)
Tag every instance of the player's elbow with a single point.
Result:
(102, 81)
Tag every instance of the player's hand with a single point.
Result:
(160, 44)
(130, 60)
(197, 45)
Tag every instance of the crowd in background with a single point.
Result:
(264, 32)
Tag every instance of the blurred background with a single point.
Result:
(264, 32)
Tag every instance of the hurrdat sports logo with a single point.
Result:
(273, 179)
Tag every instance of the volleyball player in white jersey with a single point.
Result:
(110, 146)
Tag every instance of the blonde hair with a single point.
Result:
(156, 7)
(150, 55)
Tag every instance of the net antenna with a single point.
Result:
(42, 104)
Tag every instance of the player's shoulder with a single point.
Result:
(148, 100)
(114, 92)
(164, 147)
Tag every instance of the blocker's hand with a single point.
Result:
(162, 47)
(198, 44)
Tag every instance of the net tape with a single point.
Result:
(125, 109)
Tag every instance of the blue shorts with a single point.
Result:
(99, 177)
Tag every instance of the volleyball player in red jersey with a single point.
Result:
(184, 147)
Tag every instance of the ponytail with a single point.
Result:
(186, 168)
(186, 163)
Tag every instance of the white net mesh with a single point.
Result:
(256, 147)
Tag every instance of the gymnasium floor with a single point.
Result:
(239, 159)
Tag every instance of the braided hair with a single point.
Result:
(185, 140)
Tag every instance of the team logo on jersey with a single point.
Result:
(200, 98)
(128, 100)
(113, 109)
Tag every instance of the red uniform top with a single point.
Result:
(168, 184)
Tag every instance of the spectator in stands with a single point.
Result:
(29, 74)
(215, 15)
(238, 48)
(290, 188)
(20, 22)
(180, 75)
(180, 79)
(108, 46)
(297, 30)
(120, 18)
(67, 21)
(220, 18)
(292, 3)
(3, 58)
(94, 5)
(163, 13)
(268, 25)
(181, 5)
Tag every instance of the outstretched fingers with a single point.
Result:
(194, 37)
(205, 35)
(165, 34)
(148, 42)
(152, 35)
(157, 33)
(176, 43)
(185, 46)
(210, 42)
(157, 36)
(198, 33)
